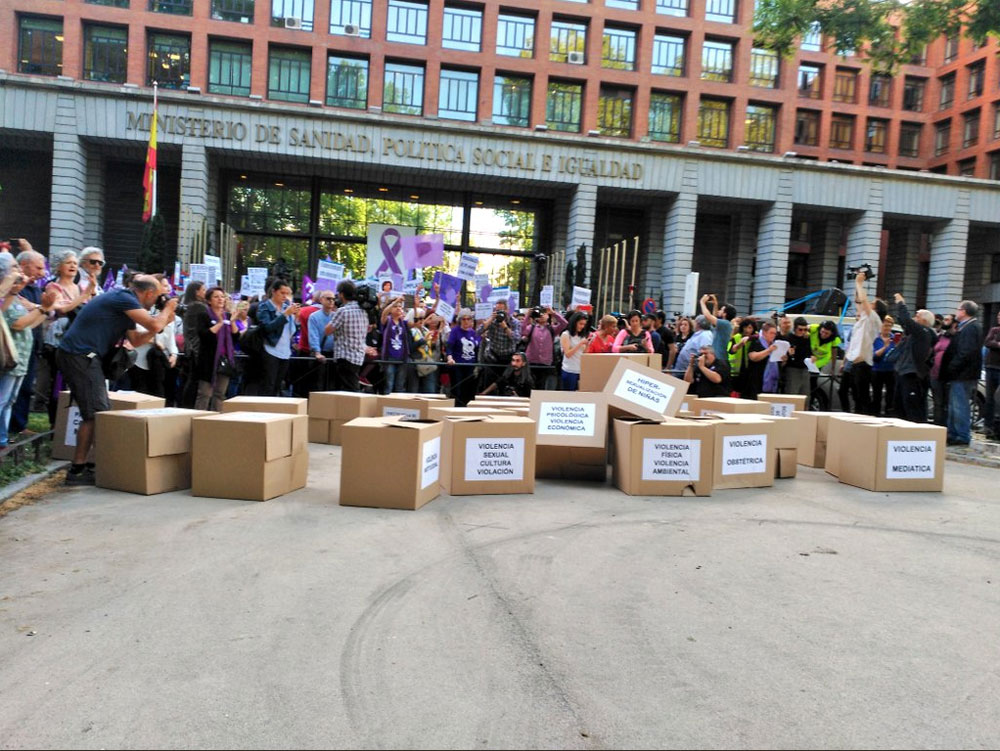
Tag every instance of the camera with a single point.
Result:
(536, 313)
(161, 302)
(855, 270)
(500, 316)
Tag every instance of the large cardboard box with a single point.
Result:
(68, 419)
(673, 457)
(743, 454)
(891, 456)
(586, 463)
(330, 410)
(492, 454)
(644, 392)
(144, 451)
(595, 369)
(570, 418)
(837, 439)
(410, 406)
(783, 405)
(727, 405)
(252, 456)
(812, 429)
(272, 404)
(440, 413)
(415, 450)
(784, 441)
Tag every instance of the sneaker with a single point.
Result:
(84, 477)
(956, 442)
(364, 381)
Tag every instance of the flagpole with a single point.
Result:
(152, 203)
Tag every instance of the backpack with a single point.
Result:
(252, 341)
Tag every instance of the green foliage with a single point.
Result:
(153, 247)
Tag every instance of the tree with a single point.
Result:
(887, 32)
(153, 246)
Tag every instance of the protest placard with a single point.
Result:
(581, 296)
(467, 266)
(545, 297)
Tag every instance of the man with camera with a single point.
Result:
(913, 356)
(856, 376)
(501, 333)
(708, 374)
(539, 343)
(516, 379)
(98, 328)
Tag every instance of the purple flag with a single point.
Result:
(448, 288)
(422, 251)
(109, 281)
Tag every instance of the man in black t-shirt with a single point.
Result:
(708, 374)
(516, 379)
(795, 376)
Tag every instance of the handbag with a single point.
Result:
(227, 367)
(117, 362)
(8, 352)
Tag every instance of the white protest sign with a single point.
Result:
(410, 286)
(413, 414)
(446, 311)
(177, 273)
(690, 293)
(744, 454)
(483, 310)
(545, 297)
(492, 459)
(258, 280)
(647, 392)
(566, 418)
(781, 349)
(245, 286)
(480, 280)
(671, 459)
(467, 266)
(430, 462)
(201, 272)
(216, 263)
(515, 301)
(581, 296)
(782, 409)
(910, 460)
(499, 294)
(330, 270)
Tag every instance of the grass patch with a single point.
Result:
(14, 466)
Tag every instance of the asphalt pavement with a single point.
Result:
(810, 614)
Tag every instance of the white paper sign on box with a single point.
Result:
(430, 462)
(566, 418)
(781, 409)
(72, 425)
(744, 454)
(492, 459)
(910, 460)
(671, 459)
(413, 414)
(647, 392)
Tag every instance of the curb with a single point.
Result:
(26, 482)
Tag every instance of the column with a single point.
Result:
(580, 227)
(864, 237)
(194, 198)
(774, 233)
(649, 282)
(557, 263)
(825, 256)
(94, 202)
(740, 281)
(67, 220)
(678, 249)
(948, 250)
(903, 263)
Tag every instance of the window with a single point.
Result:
(292, 14)
(169, 61)
(407, 22)
(977, 76)
(105, 53)
(807, 128)
(717, 61)
(970, 129)
(841, 132)
(967, 167)
(515, 36)
(995, 175)
(175, 7)
(875, 135)
(512, 101)
(810, 81)
(713, 123)
(764, 68)
(40, 46)
(919, 57)
(347, 82)
(614, 112)
(627, 4)
(880, 90)
(111, 3)
(463, 29)
(672, 7)
(288, 74)
(565, 102)
(229, 65)
(812, 40)
(761, 123)
(942, 137)
(566, 37)
(665, 111)
(458, 94)
(668, 55)
(995, 258)
(909, 139)
(913, 94)
(723, 11)
(845, 86)
(951, 48)
(404, 89)
(351, 15)
(240, 11)
(996, 121)
(947, 91)
(618, 49)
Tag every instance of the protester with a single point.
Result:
(516, 379)
(939, 381)
(395, 346)
(156, 360)
(603, 340)
(739, 349)
(797, 379)
(668, 347)
(461, 352)
(884, 368)
(425, 351)
(349, 328)
(856, 373)
(758, 353)
(303, 370)
(720, 318)
(573, 341)
(701, 337)
(319, 338)
(499, 335)
(649, 326)
(633, 338)
(823, 340)
(539, 338)
(991, 413)
(964, 363)
(277, 316)
(97, 330)
(708, 374)
(913, 353)
(192, 309)
(91, 263)
(216, 353)
(32, 266)
(683, 331)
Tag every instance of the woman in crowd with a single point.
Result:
(683, 331)
(462, 350)
(633, 338)
(603, 339)
(155, 366)
(939, 385)
(427, 343)
(884, 368)
(739, 349)
(574, 340)
(395, 346)
(190, 311)
(538, 343)
(215, 330)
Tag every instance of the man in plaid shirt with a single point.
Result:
(348, 325)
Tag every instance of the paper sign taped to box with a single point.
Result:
(413, 414)
(671, 459)
(567, 418)
(909, 460)
(430, 462)
(494, 459)
(744, 454)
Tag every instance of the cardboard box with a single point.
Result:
(271, 404)
(410, 406)
(744, 457)
(252, 456)
(586, 463)
(783, 440)
(644, 392)
(330, 410)
(596, 369)
(783, 405)
(144, 451)
(440, 413)
(893, 456)
(673, 457)
(492, 454)
(837, 439)
(68, 419)
(570, 418)
(415, 448)
(787, 464)
(503, 400)
(812, 429)
(727, 405)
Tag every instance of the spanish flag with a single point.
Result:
(149, 174)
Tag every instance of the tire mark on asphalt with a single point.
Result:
(941, 536)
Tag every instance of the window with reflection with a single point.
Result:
(40, 45)
(717, 60)
(566, 37)
(665, 112)
(169, 61)
(564, 105)
(288, 72)
(354, 16)
(618, 48)
(105, 53)
(292, 14)
(763, 68)
(713, 123)
(512, 100)
(458, 93)
(407, 22)
(515, 35)
(403, 91)
(761, 125)
(462, 28)
(229, 67)
(614, 111)
(347, 82)
(668, 55)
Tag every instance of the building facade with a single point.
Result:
(295, 123)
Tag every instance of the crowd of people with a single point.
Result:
(61, 329)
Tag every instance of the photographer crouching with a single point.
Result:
(708, 374)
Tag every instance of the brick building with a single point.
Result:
(582, 123)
